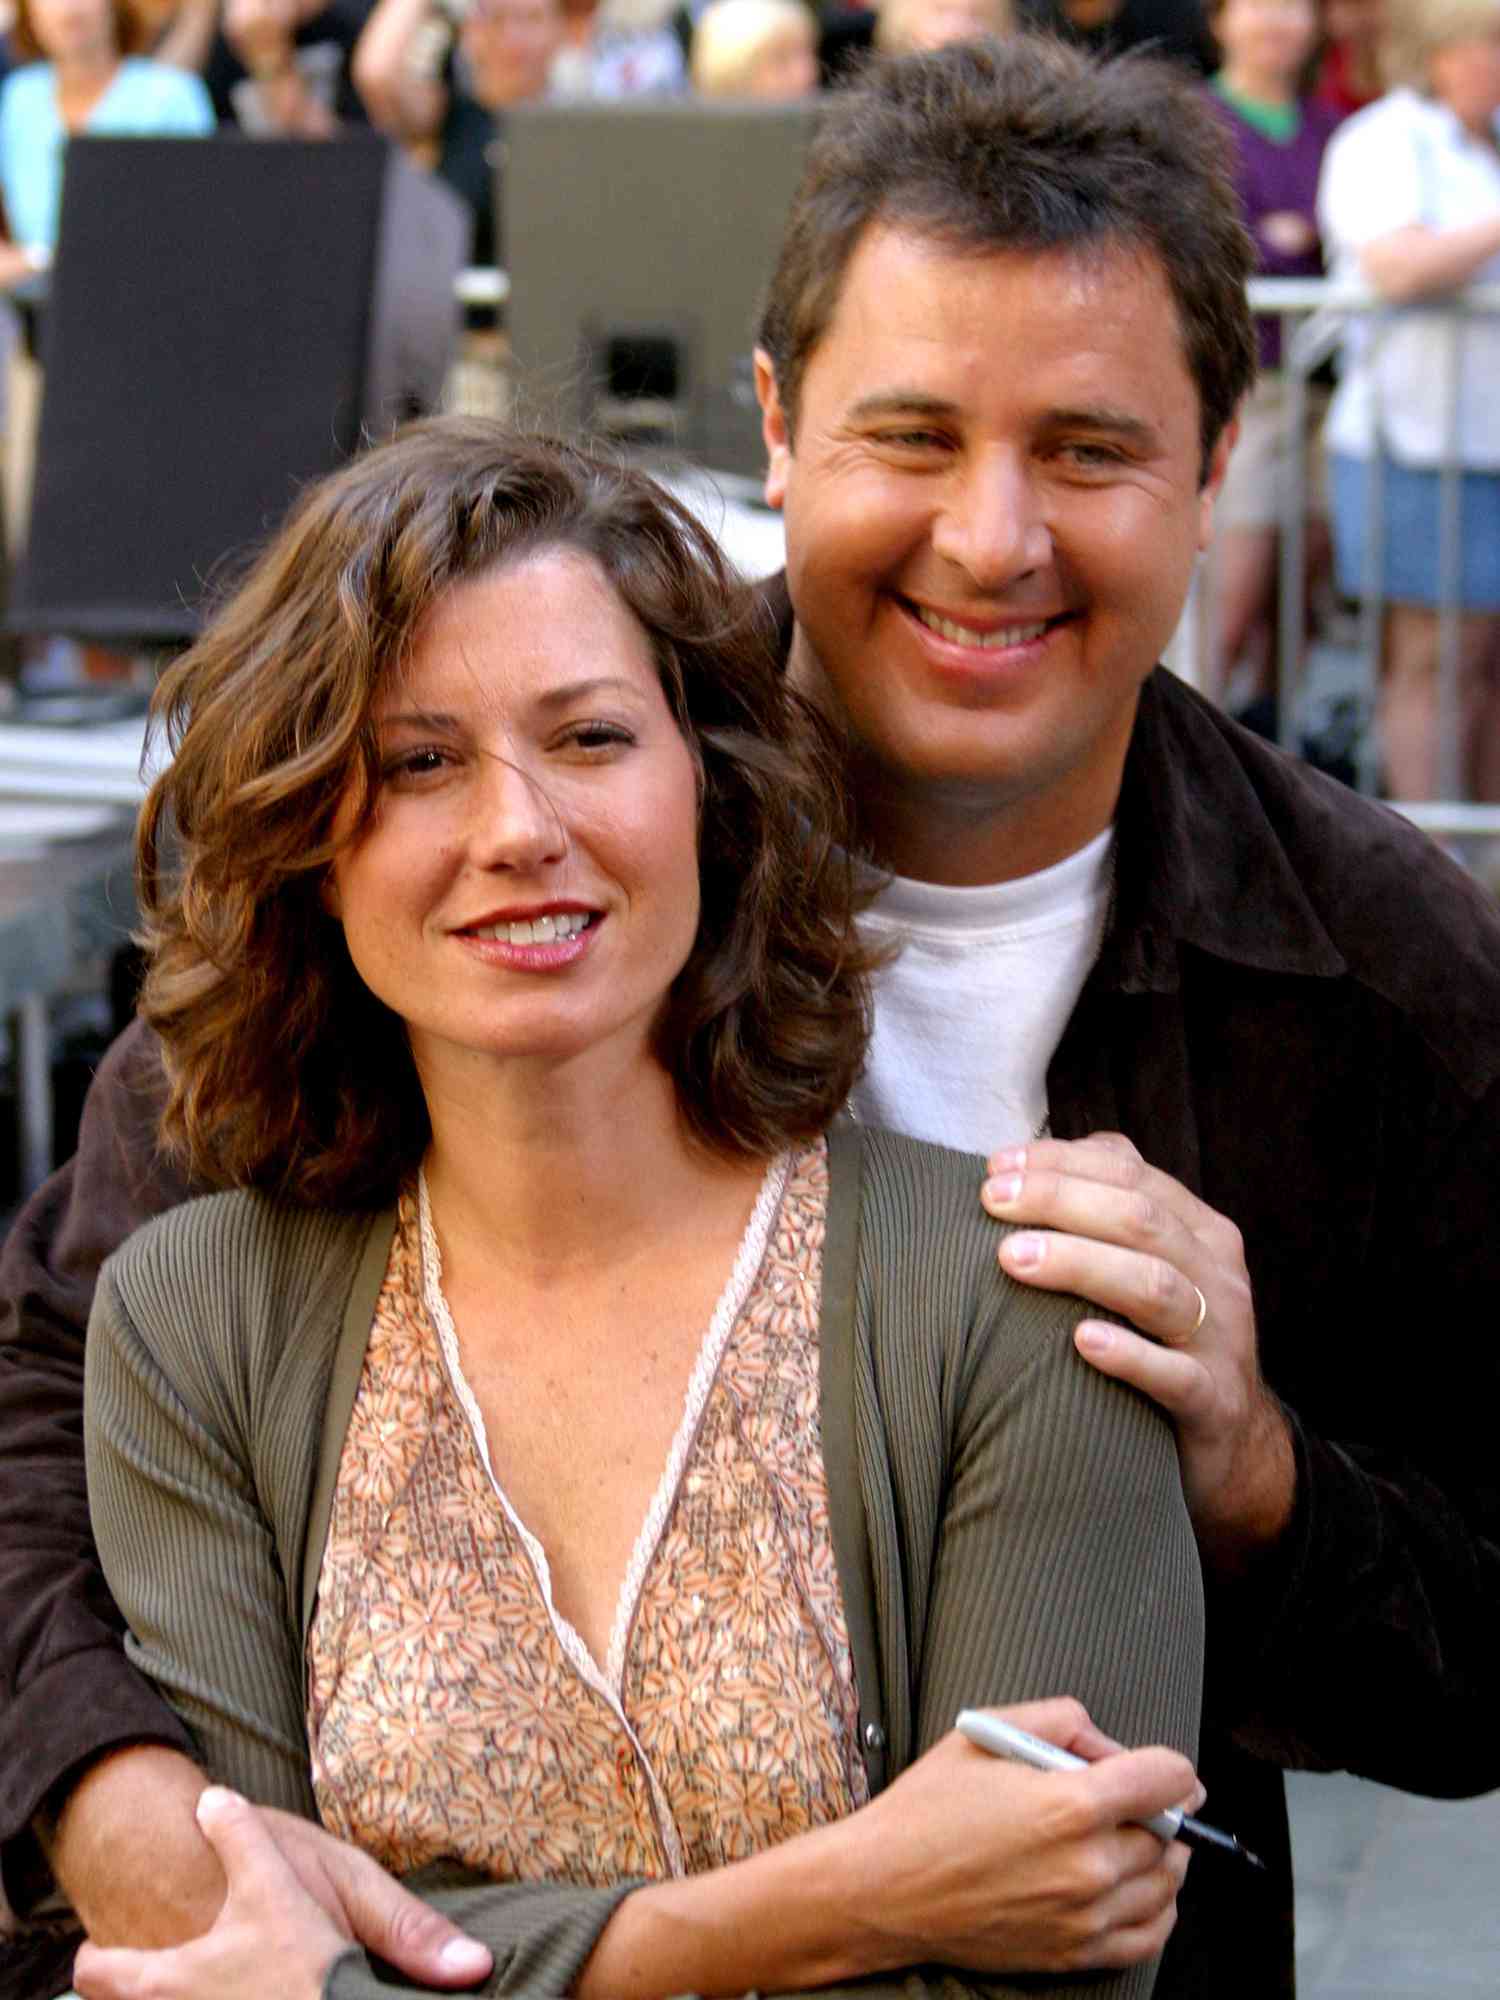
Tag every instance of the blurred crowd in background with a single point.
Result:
(1365, 142)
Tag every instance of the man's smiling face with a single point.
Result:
(993, 503)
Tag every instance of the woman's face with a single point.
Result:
(527, 888)
(786, 68)
(1465, 75)
(1270, 38)
(67, 29)
(933, 24)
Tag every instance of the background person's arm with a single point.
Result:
(262, 33)
(1375, 199)
(409, 106)
(1419, 262)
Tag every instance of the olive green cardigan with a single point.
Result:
(1007, 1524)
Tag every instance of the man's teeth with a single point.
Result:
(964, 635)
(540, 930)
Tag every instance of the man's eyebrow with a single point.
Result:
(1103, 417)
(901, 403)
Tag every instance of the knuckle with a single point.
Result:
(1091, 1878)
(1161, 1282)
(1075, 1715)
(1232, 1242)
(412, 1927)
(1145, 1216)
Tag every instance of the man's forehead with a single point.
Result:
(1105, 259)
(1097, 270)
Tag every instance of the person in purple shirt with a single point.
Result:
(1278, 137)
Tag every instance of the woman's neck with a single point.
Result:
(567, 1170)
(82, 80)
(1241, 80)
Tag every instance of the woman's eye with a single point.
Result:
(598, 736)
(412, 764)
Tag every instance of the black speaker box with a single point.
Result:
(227, 319)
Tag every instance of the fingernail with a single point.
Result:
(1094, 1336)
(1003, 1190)
(214, 1799)
(1010, 1157)
(1024, 1249)
(465, 1957)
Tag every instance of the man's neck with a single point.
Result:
(964, 835)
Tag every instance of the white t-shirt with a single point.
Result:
(1408, 160)
(969, 1013)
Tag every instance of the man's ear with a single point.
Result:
(773, 428)
(1218, 465)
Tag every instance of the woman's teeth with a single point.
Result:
(540, 930)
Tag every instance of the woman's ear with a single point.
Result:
(328, 896)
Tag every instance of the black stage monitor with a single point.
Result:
(227, 318)
(639, 238)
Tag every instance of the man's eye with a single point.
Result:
(914, 439)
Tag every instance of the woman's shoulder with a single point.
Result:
(897, 1169)
(164, 91)
(31, 84)
(1401, 113)
(238, 1251)
(924, 1248)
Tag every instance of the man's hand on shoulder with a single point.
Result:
(128, 1850)
(1097, 1220)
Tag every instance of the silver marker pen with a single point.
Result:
(1004, 1739)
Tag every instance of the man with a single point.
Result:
(1000, 361)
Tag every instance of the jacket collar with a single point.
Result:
(1199, 859)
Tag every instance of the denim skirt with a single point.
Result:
(1411, 559)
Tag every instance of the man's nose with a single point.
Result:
(515, 820)
(993, 522)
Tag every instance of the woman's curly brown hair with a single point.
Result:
(285, 1072)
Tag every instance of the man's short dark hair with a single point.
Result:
(1025, 145)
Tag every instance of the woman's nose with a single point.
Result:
(515, 820)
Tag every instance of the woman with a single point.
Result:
(79, 79)
(1347, 73)
(761, 49)
(1278, 137)
(1410, 203)
(509, 957)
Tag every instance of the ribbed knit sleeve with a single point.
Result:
(1028, 1510)
(1023, 1516)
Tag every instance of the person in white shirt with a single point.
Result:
(1410, 203)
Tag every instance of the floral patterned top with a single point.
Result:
(453, 1712)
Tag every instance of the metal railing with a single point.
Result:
(1314, 314)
